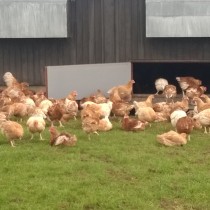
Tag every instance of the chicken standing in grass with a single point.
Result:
(12, 130)
(36, 124)
(61, 138)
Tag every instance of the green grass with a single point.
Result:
(115, 170)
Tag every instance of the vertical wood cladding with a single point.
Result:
(100, 31)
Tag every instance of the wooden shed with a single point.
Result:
(110, 31)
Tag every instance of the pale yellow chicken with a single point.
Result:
(204, 118)
(11, 129)
(172, 138)
(121, 92)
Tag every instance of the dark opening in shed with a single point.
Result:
(145, 73)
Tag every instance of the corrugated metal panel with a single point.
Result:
(33, 18)
(176, 18)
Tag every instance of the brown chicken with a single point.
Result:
(12, 130)
(185, 125)
(183, 104)
(119, 109)
(186, 82)
(90, 125)
(55, 113)
(122, 92)
(132, 124)
(196, 91)
(63, 138)
(172, 138)
(170, 92)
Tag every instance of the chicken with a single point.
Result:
(9, 79)
(185, 125)
(183, 104)
(36, 124)
(170, 92)
(105, 108)
(90, 125)
(132, 124)
(12, 130)
(72, 95)
(55, 113)
(195, 91)
(146, 114)
(45, 105)
(172, 138)
(91, 111)
(71, 109)
(63, 138)
(121, 92)
(146, 103)
(206, 98)
(99, 97)
(186, 82)
(104, 124)
(175, 115)
(119, 109)
(204, 118)
(160, 84)
(200, 104)
(17, 110)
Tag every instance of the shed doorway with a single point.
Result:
(145, 72)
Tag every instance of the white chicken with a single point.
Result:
(175, 115)
(160, 84)
(204, 118)
(36, 124)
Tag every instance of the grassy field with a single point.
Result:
(115, 170)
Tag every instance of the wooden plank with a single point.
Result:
(98, 27)
(71, 42)
(109, 31)
(85, 32)
(121, 29)
(134, 29)
(91, 41)
(128, 30)
(79, 31)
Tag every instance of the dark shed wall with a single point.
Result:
(100, 31)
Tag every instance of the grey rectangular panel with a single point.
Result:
(33, 18)
(86, 78)
(177, 18)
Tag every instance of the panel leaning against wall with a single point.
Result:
(33, 18)
(177, 18)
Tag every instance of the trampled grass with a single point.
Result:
(115, 170)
